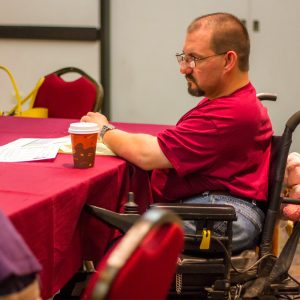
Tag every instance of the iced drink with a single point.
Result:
(84, 140)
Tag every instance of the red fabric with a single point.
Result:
(44, 200)
(149, 271)
(66, 99)
(221, 144)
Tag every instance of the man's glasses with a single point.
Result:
(190, 61)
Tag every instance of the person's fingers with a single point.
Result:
(93, 114)
(85, 119)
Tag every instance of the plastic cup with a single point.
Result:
(84, 137)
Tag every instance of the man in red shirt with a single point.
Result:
(220, 145)
(219, 151)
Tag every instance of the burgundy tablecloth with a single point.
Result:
(45, 200)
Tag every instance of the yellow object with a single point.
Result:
(33, 112)
(289, 227)
(283, 229)
(205, 243)
(275, 243)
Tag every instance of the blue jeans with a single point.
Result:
(247, 228)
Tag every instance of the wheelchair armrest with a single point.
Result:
(188, 211)
(267, 96)
(117, 220)
(185, 211)
(287, 200)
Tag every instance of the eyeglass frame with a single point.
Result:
(181, 58)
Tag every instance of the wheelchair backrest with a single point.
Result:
(279, 153)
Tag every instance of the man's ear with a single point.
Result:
(231, 60)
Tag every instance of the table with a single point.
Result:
(45, 199)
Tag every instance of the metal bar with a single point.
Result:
(105, 55)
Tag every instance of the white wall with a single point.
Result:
(146, 85)
(28, 60)
(49, 12)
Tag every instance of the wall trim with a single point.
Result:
(50, 33)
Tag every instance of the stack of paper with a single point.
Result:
(33, 149)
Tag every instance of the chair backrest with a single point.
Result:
(280, 150)
(143, 263)
(69, 99)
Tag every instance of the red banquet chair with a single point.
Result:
(69, 99)
(143, 263)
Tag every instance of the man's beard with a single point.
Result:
(196, 91)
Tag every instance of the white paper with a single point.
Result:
(29, 149)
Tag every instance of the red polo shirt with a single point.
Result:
(221, 144)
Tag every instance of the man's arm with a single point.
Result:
(140, 149)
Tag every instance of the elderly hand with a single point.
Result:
(95, 117)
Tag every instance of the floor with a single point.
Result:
(283, 236)
(295, 268)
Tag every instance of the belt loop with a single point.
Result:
(205, 193)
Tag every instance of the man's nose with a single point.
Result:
(185, 69)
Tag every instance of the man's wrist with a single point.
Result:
(106, 128)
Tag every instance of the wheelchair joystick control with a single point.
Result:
(131, 207)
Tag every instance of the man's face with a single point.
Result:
(203, 76)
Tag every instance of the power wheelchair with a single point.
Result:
(207, 268)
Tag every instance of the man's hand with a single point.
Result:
(140, 149)
(95, 117)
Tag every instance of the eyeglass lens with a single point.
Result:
(188, 60)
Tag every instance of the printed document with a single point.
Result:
(29, 149)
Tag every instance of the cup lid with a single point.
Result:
(84, 127)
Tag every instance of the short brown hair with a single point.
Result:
(229, 33)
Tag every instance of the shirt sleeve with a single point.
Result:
(191, 145)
